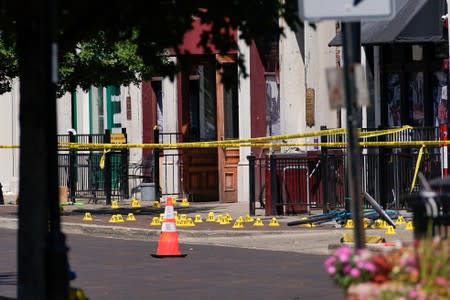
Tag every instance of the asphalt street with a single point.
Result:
(124, 269)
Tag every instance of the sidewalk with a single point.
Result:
(317, 240)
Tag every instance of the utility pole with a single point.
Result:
(42, 253)
(351, 42)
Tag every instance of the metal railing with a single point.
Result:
(316, 179)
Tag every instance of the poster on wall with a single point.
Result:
(393, 99)
(272, 106)
(415, 99)
(439, 86)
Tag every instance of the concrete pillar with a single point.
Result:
(244, 125)
(170, 124)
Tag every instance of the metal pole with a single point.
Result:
(351, 55)
(156, 153)
(2, 200)
(72, 169)
(276, 207)
(57, 271)
(324, 171)
(251, 181)
(107, 170)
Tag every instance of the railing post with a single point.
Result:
(324, 172)
(72, 169)
(107, 169)
(251, 182)
(125, 167)
(156, 163)
(2, 200)
(274, 187)
(382, 167)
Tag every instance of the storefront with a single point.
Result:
(407, 65)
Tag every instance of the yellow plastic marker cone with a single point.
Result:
(211, 217)
(189, 223)
(400, 220)
(349, 224)
(385, 225)
(131, 217)
(258, 222)
(366, 223)
(240, 219)
(115, 204)
(155, 222)
(113, 219)
(119, 218)
(179, 223)
(135, 203)
(378, 224)
(274, 222)
(184, 202)
(156, 204)
(229, 217)
(249, 218)
(87, 217)
(219, 218)
(409, 226)
(238, 224)
(198, 219)
(390, 230)
(161, 218)
(223, 220)
(308, 225)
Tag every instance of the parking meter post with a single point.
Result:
(72, 169)
(107, 169)
(156, 154)
(251, 182)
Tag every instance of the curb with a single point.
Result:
(142, 233)
(380, 247)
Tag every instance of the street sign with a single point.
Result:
(346, 10)
(336, 90)
(118, 138)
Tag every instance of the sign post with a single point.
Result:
(351, 12)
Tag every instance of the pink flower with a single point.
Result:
(442, 281)
(369, 267)
(347, 268)
(355, 273)
(330, 261)
(331, 270)
(344, 257)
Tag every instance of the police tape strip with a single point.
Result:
(257, 142)
(390, 144)
(416, 171)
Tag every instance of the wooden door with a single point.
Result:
(227, 128)
(199, 121)
(200, 180)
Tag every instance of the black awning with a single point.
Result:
(416, 21)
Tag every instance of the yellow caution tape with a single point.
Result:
(259, 141)
(102, 159)
(391, 144)
(9, 146)
(375, 133)
(416, 171)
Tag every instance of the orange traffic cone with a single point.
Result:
(168, 239)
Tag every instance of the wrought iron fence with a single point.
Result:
(81, 172)
(307, 180)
